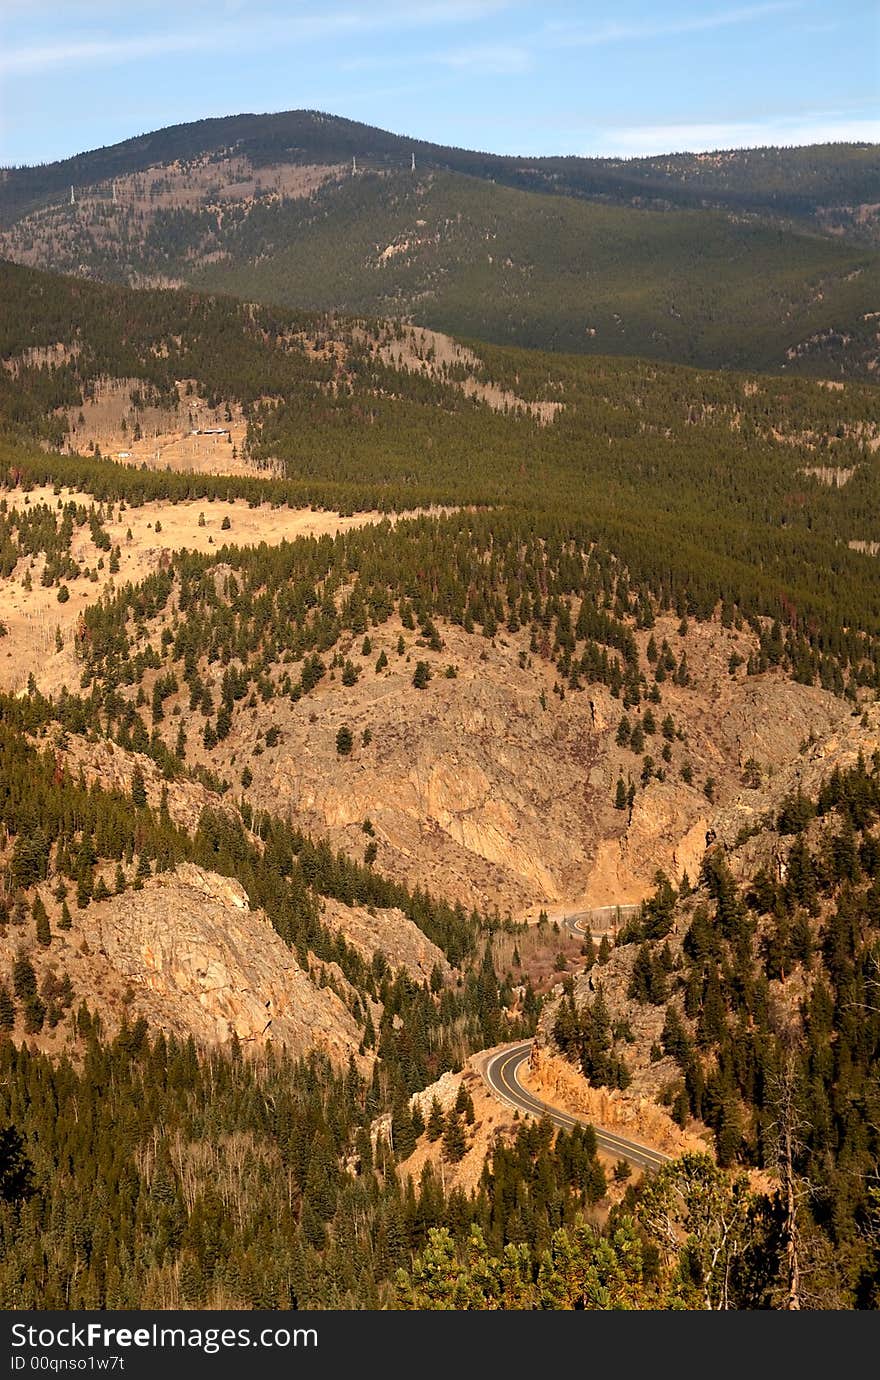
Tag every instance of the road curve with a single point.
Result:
(501, 1072)
(583, 922)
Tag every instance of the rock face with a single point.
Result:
(389, 932)
(466, 795)
(113, 768)
(489, 788)
(199, 961)
(632, 1114)
(666, 832)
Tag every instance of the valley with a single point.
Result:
(402, 551)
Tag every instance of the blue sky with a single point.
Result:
(513, 76)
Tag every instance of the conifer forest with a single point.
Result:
(362, 636)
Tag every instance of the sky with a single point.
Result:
(526, 77)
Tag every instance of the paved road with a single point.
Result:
(501, 1073)
(599, 920)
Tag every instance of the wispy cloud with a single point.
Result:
(501, 58)
(816, 128)
(29, 59)
(488, 58)
(581, 36)
(41, 56)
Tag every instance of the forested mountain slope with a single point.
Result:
(750, 1004)
(804, 183)
(755, 487)
(712, 260)
(626, 615)
(516, 267)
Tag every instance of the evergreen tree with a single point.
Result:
(138, 788)
(435, 1125)
(403, 1136)
(24, 979)
(454, 1143)
(7, 1008)
(41, 923)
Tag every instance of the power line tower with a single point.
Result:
(72, 196)
(413, 166)
(354, 165)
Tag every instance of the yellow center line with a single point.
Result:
(505, 1070)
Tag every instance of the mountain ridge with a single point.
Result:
(627, 617)
(751, 258)
(263, 134)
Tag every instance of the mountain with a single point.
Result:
(759, 489)
(761, 259)
(334, 652)
(814, 184)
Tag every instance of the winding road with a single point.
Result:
(584, 922)
(501, 1072)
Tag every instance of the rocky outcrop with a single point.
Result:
(850, 734)
(113, 768)
(489, 788)
(666, 832)
(199, 961)
(388, 932)
(634, 1115)
(460, 793)
(493, 1122)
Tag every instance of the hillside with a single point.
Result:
(515, 267)
(825, 183)
(756, 487)
(341, 660)
(723, 261)
(748, 1006)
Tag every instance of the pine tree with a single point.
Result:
(138, 788)
(640, 981)
(436, 1121)
(402, 1131)
(41, 923)
(84, 886)
(454, 1142)
(7, 1008)
(418, 1121)
(34, 1015)
(24, 979)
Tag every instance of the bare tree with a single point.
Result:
(692, 1207)
(785, 1137)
